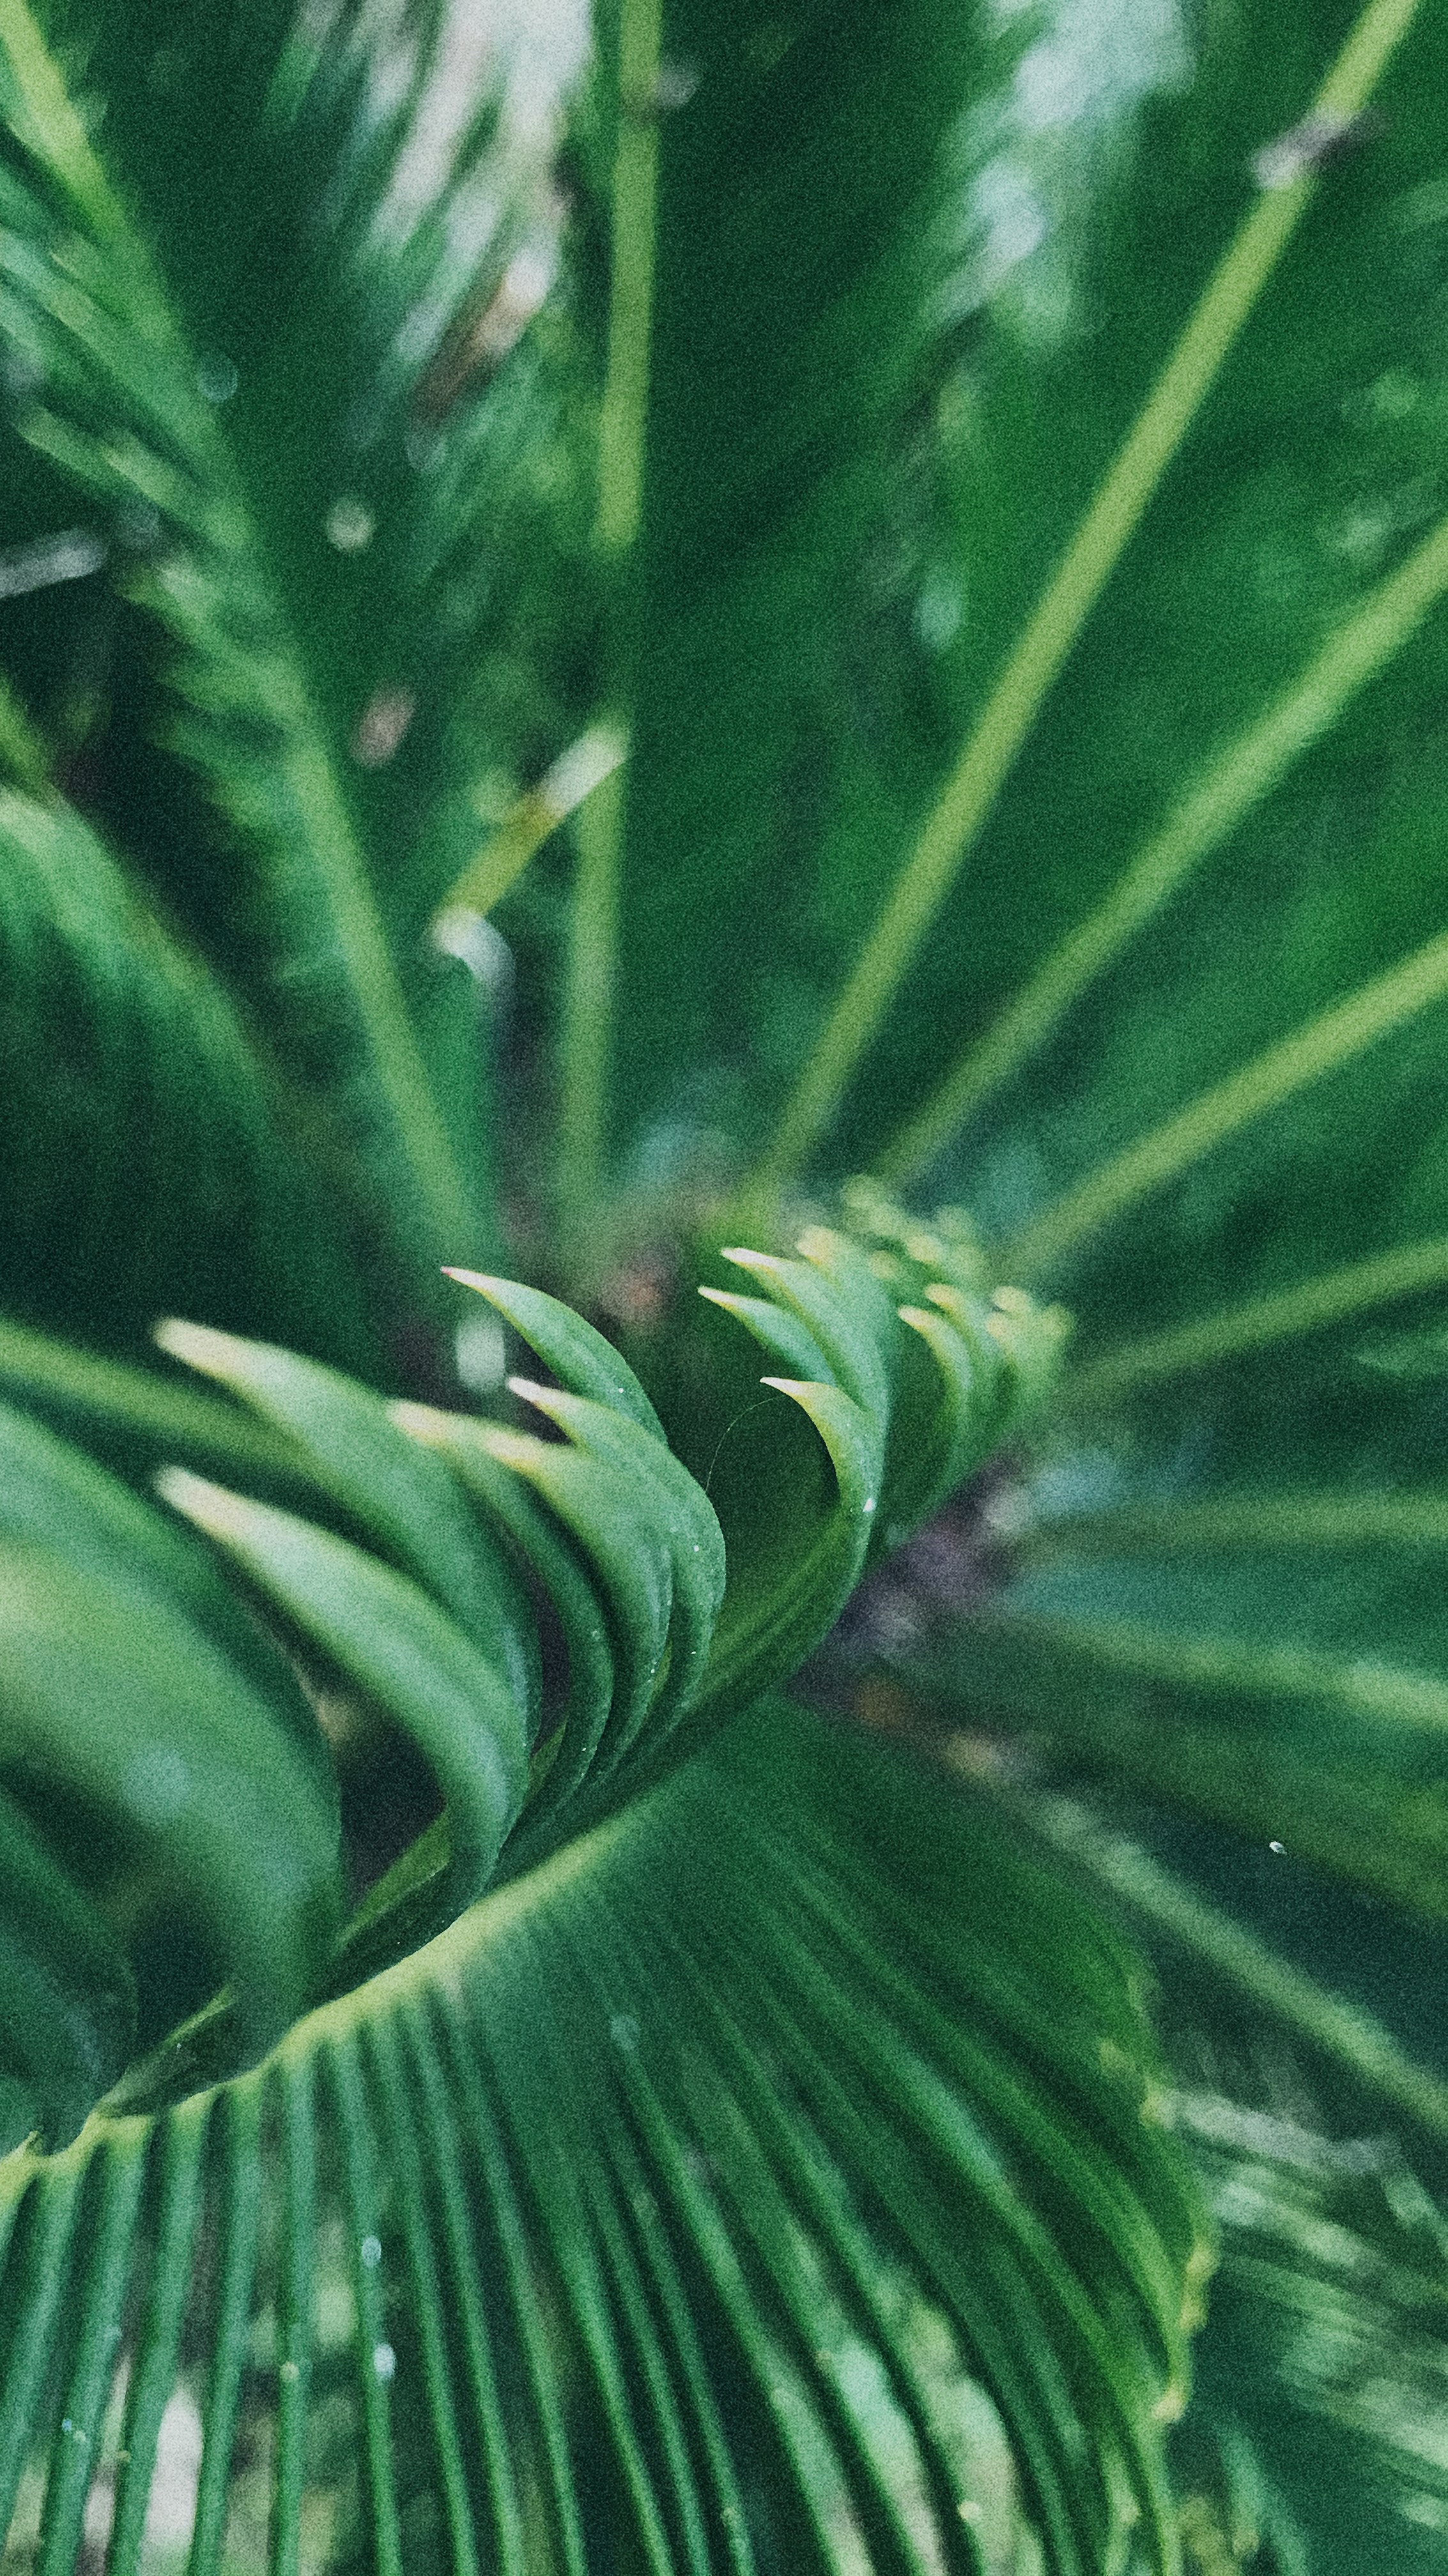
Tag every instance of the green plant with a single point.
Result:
(949, 509)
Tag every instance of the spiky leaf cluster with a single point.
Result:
(951, 509)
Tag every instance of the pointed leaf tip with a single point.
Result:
(578, 1355)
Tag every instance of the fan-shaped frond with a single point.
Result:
(503, 2086)
(738, 2131)
(701, 2180)
(405, 1567)
(164, 312)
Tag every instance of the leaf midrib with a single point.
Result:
(280, 676)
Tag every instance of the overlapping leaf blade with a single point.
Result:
(789, 348)
(403, 1581)
(296, 577)
(132, 1089)
(662, 2253)
(1221, 1138)
(737, 2265)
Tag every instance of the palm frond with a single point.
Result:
(1328, 2342)
(398, 1566)
(503, 2085)
(769, 2269)
(296, 581)
(789, 345)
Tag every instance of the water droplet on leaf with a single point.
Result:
(350, 525)
(216, 379)
(380, 728)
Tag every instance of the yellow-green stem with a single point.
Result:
(1320, 1047)
(1390, 1695)
(1349, 2038)
(1309, 1307)
(1246, 771)
(1235, 1522)
(587, 1035)
(969, 794)
(587, 1039)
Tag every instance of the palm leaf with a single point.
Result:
(789, 345)
(132, 1088)
(1243, 1163)
(727, 2258)
(173, 395)
(1314, 2426)
(701, 2242)
(403, 1577)
(697, 2197)
(1329, 2322)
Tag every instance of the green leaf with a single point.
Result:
(772, 2289)
(132, 1089)
(1173, 1034)
(698, 2197)
(428, 1622)
(160, 1739)
(67, 1996)
(799, 180)
(1328, 2344)
(54, 1497)
(566, 1576)
(404, 1499)
(650, 1484)
(577, 1355)
(386, 1636)
(169, 392)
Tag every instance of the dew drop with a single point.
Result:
(384, 2361)
(938, 614)
(216, 379)
(350, 525)
(290, 2373)
(380, 728)
(1277, 1847)
(674, 86)
(370, 2250)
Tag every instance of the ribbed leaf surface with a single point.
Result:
(1030, 661)
(171, 308)
(678, 2205)
(131, 1090)
(1170, 1019)
(404, 1583)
